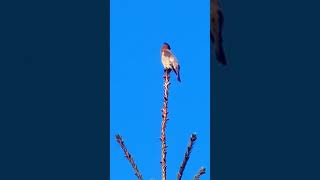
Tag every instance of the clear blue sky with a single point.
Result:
(138, 29)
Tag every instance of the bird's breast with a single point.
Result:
(165, 61)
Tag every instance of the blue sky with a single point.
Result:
(138, 29)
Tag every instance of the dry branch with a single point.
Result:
(128, 156)
(164, 124)
(201, 172)
(193, 138)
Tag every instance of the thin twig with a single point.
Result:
(193, 138)
(128, 156)
(163, 124)
(201, 172)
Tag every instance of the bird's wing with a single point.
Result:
(167, 53)
(173, 58)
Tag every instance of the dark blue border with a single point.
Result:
(54, 94)
(265, 103)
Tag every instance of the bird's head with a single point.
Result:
(165, 46)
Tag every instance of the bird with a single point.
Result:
(216, 25)
(169, 61)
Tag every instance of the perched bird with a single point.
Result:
(216, 25)
(169, 61)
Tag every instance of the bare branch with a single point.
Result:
(193, 138)
(201, 172)
(164, 124)
(128, 156)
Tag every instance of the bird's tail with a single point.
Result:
(178, 76)
(221, 57)
(177, 72)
